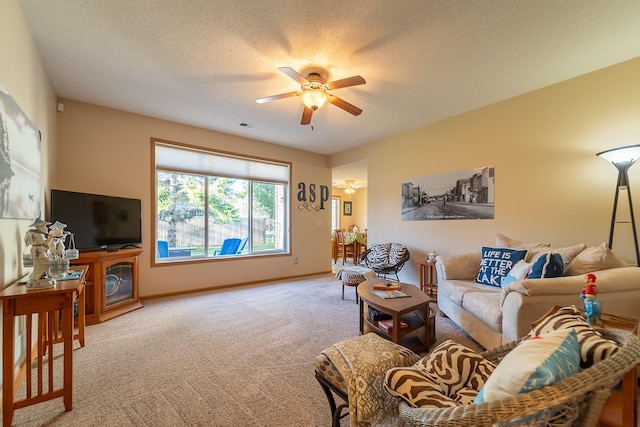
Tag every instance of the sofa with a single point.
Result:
(502, 311)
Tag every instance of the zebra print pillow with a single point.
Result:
(593, 347)
(396, 253)
(450, 376)
(384, 255)
(378, 255)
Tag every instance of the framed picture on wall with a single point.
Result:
(346, 210)
(20, 191)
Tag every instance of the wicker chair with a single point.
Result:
(575, 401)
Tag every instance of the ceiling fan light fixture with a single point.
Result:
(314, 98)
(350, 187)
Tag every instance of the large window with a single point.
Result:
(218, 205)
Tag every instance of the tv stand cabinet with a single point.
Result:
(111, 283)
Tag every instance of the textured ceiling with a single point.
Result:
(204, 62)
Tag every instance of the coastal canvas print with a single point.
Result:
(465, 194)
(20, 194)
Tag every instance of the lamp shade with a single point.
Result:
(314, 98)
(624, 156)
(350, 186)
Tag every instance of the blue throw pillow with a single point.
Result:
(547, 265)
(519, 271)
(534, 363)
(496, 264)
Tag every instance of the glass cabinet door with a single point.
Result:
(118, 283)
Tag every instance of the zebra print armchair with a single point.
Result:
(385, 258)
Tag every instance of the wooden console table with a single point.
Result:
(47, 305)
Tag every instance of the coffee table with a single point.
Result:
(413, 310)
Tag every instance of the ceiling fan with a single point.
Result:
(350, 186)
(314, 93)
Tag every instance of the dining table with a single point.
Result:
(359, 239)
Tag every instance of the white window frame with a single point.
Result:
(174, 157)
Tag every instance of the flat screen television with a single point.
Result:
(98, 221)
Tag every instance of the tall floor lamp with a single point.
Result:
(622, 158)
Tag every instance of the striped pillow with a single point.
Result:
(378, 255)
(593, 346)
(450, 376)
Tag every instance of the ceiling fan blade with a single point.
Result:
(306, 116)
(294, 75)
(274, 97)
(349, 81)
(349, 108)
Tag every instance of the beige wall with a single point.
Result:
(358, 208)
(22, 75)
(549, 184)
(107, 151)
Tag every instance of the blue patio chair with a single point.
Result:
(229, 247)
(243, 243)
(163, 249)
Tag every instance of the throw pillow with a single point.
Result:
(396, 253)
(593, 346)
(519, 271)
(496, 264)
(378, 255)
(594, 259)
(449, 376)
(547, 265)
(534, 248)
(536, 362)
(416, 388)
(456, 367)
(569, 252)
(459, 266)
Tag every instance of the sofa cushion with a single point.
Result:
(534, 248)
(594, 259)
(536, 362)
(455, 290)
(593, 346)
(496, 264)
(547, 265)
(485, 306)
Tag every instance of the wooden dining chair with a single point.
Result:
(344, 250)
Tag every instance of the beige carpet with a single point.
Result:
(238, 357)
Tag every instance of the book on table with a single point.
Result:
(377, 315)
(387, 286)
(387, 325)
(389, 294)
